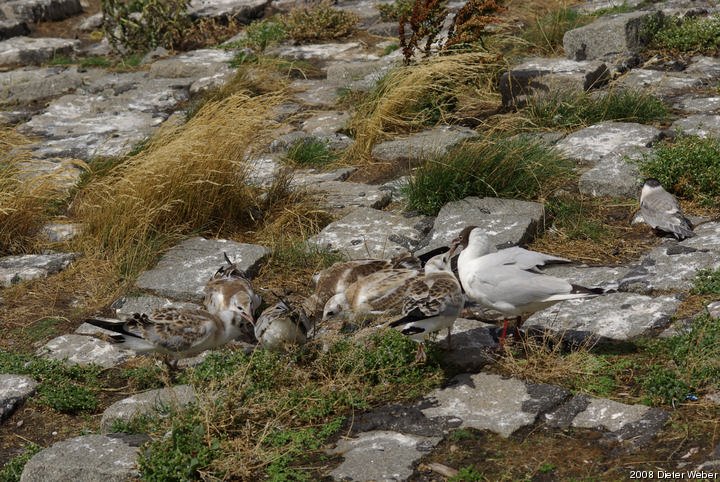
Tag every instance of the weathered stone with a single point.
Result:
(63, 173)
(329, 51)
(403, 419)
(146, 403)
(39, 10)
(656, 82)
(369, 233)
(28, 85)
(14, 389)
(196, 64)
(702, 125)
(613, 316)
(365, 9)
(541, 76)
(506, 221)
(361, 76)
(84, 350)
(608, 415)
(326, 124)
(128, 305)
(241, 10)
(315, 93)
(612, 176)
(591, 144)
(490, 402)
(713, 310)
(694, 104)
(59, 232)
(385, 29)
(87, 458)
(33, 51)
(14, 269)
(340, 195)
(184, 270)
(605, 277)
(13, 28)
(703, 67)
(93, 22)
(707, 236)
(109, 123)
(613, 34)
(422, 145)
(380, 455)
(590, 6)
(472, 344)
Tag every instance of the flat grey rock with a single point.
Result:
(489, 402)
(128, 305)
(13, 28)
(146, 403)
(704, 67)
(707, 237)
(405, 419)
(472, 344)
(608, 35)
(87, 458)
(59, 232)
(609, 317)
(380, 455)
(422, 145)
(369, 233)
(14, 389)
(539, 76)
(697, 104)
(590, 6)
(506, 221)
(591, 144)
(39, 10)
(93, 22)
(361, 76)
(701, 125)
(84, 350)
(241, 10)
(611, 176)
(30, 84)
(605, 277)
(320, 52)
(315, 93)
(713, 310)
(195, 64)
(661, 84)
(184, 270)
(341, 195)
(325, 124)
(24, 267)
(33, 51)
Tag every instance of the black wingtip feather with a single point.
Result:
(583, 289)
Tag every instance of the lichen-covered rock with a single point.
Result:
(422, 145)
(146, 403)
(701, 125)
(591, 144)
(84, 350)
(23, 267)
(34, 51)
(14, 389)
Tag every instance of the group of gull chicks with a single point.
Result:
(416, 298)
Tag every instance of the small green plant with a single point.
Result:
(571, 109)
(13, 468)
(43, 328)
(310, 152)
(390, 49)
(689, 34)
(318, 22)
(467, 474)
(95, 61)
(61, 60)
(663, 385)
(262, 34)
(392, 12)
(505, 167)
(462, 434)
(687, 166)
(547, 468)
(707, 282)
(574, 218)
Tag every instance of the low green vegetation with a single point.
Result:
(692, 34)
(545, 34)
(262, 34)
(687, 166)
(12, 470)
(707, 282)
(392, 12)
(576, 218)
(571, 109)
(265, 415)
(506, 167)
(468, 474)
(310, 152)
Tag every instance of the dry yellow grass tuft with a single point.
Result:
(423, 94)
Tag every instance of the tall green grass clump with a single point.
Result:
(310, 152)
(544, 34)
(506, 167)
(689, 166)
(570, 109)
(690, 34)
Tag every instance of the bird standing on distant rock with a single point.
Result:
(280, 325)
(432, 302)
(507, 280)
(230, 296)
(662, 212)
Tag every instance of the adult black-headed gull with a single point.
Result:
(662, 212)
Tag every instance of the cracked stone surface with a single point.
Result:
(146, 403)
(14, 389)
(39, 10)
(612, 176)
(328, 51)
(33, 51)
(87, 458)
(592, 144)
(506, 221)
(84, 350)
(613, 316)
(380, 455)
(241, 10)
(422, 145)
(369, 233)
(662, 84)
(184, 270)
(30, 84)
(340, 195)
(695, 104)
(24, 267)
(490, 402)
(702, 125)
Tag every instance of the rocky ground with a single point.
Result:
(488, 420)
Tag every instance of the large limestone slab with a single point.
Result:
(704, 67)
(34, 51)
(146, 403)
(698, 104)
(84, 350)
(369, 233)
(14, 389)
(707, 236)
(540, 76)
(506, 221)
(422, 145)
(590, 6)
(315, 93)
(341, 195)
(14, 269)
(489, 402)
(361, 76)
(30, 84)
(609, 35)
(380, 455)
(240, 10)
(659, 83)
(87, 458)
(702, 125)
(612, 176)
(39, 10)
(613, 316)
(591, 144)
(319, 52)
(184, 270)
(203, 65)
